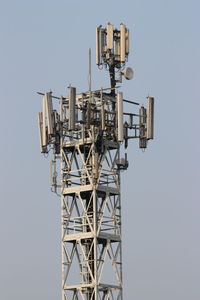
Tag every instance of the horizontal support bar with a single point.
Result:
(90, 235)
(89, 188)
(101, 286)
(131, 102)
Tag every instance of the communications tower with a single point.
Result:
(85, 134)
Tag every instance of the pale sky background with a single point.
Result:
(44, 45)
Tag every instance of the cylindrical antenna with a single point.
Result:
(142, 124)
(122, 42)
(127, 42)
(49, 113)
(150, 117)
(40, 126)
(98, 45)
(110, 37)
(72, 107)
(44, 133)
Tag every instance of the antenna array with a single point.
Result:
(112, 45)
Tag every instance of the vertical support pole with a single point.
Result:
(120, 233)
(95, 242)
(112, 79)
(102, 112)
(62, 205)
(120, 127)
(90, 71)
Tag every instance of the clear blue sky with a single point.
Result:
(44, 45)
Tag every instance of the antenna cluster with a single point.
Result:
(49, 125)
(112, 50)
(94, 109)
(112, 45)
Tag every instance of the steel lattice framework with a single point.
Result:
(86, 134)
(91, 208)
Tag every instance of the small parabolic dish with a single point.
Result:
(128, 73)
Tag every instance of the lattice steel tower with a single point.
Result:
(85, 134)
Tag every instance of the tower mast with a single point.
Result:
(86, 135)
